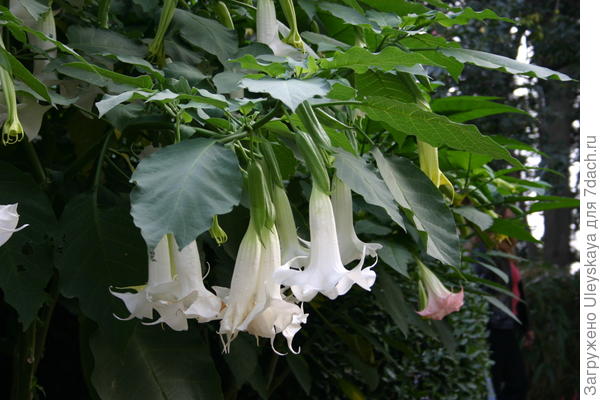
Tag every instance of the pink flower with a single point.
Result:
(439, 300)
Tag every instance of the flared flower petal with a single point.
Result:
(440, 301)
(351, 247)
(9, 219)
(325, 269)
(185, 296)
(159, 272)
(279, 315)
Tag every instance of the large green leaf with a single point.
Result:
(412, 189)
(26, 262)
(505, 64)
(395, 255)
(451, 18)
(479, 218)
(513, 228)
(391, 300)
(104, 77)
(155, 364)
(301, 371)
(324, 43)
(467, 108)
(361, 179)
(400, 7)
(207, 34)
(101, 248)
(291, 92)
(181, 187)
(361, 60)
(434, 129)
(347, 14)
(100, 41)
(377, 83)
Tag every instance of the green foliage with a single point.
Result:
(553, 365)
(181, 198)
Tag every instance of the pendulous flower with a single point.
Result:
(185, 296)
(267, 30)
(351, 247)
(278, 315)
(439, 300)
(325, 272)
(9, 219)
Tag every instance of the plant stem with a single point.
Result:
(338, 103)
(38, 169)
(235, 136)
(269, 116)
(98, 173)
(103, 10)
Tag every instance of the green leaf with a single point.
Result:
(273, 69)
(207, 34)
(324, 43)
(18, 70)
(348, 15)
(467, 108)
(501, 63)
(103, 77)
(395, 255)
(513, 228)
(497, 303)
(341, 92)
(143, 65)
(462, 17)
(356, 174)
(102, 42)
(101, 248)
(400, 7)
(291, 92)
(390, 298)
(181, 187)
(109, 102)
(377, 83)
(427, 44)
(155, 364)
(361, 60)
(556, 202)
(413, 190)
(301, 371)
(479, 218)
(180, 70)
(434, 129)
(242, 359)
(26, 262)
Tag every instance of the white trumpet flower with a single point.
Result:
(291, 247)
(351, 247)
(325, 272)
(175, 288)
(9, 219)
(243, 302)
(185, 296)
(159, 272)
(267, 30)
(279, 315)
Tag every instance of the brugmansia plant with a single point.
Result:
(236, 169)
